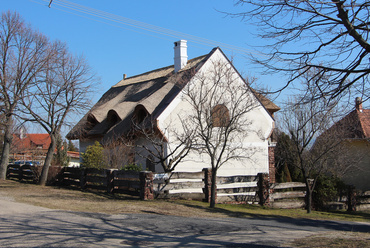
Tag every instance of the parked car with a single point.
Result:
(27, 162)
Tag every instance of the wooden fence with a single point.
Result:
(237, 189)
(288, 195)
(23, 172)
(183, 185)
(112, 181)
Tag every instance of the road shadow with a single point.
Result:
(330, 225)
(79, 229)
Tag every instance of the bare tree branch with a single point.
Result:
(305, 35)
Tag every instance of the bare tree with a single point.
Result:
(23, 55)
(63, 88)
(219, 106)
(329, 36)
(152, 144)
(117, 154)
(320, 149)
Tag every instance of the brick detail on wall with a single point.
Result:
(271, 154)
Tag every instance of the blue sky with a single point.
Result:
(113, 49)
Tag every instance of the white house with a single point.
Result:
(163, 95)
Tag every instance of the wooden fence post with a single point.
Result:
(263, 189)
(146, 185)
(110, 178)
(20, 175)
(83, 178)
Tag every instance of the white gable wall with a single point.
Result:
(254, 141)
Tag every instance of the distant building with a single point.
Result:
(34, 146)
(30, 146)
(354, 128)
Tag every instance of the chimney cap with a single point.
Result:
(358, 104)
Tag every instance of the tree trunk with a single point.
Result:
(309, 189)
(8, 137)
(309, 202)
(213, 188)
(49, 157)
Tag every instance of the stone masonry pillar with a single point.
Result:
(146, 185)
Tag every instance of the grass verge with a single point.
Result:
(94, 201)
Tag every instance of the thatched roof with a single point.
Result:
(152, 91)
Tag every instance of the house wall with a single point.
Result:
(254, 140)
(140, 160)
(359, 173)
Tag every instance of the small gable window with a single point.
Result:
(140, 115)
(220, 116)
(112, 118)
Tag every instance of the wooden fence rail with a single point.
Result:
(288, 195)
(185, 185)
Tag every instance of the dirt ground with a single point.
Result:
(76, 200)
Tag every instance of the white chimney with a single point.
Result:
(181, 54)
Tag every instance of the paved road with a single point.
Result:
(22, 225)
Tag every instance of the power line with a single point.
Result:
(64, 4)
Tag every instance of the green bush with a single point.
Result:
(132, 167)
(328, 188)
(93, 157)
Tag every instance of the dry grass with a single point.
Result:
(85, 201)
(94, 201)
(335, 240)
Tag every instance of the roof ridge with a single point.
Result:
(121, 82)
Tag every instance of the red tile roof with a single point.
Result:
(32, 141)
(354, 125)
(364, 118)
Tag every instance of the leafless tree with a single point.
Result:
(117, 154)
(318, 147)
(329, 36)
(62, 88)
(219, 106)
(23, 55)
(151, 143)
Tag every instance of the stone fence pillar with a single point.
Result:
(146, 185)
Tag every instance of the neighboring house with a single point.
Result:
(34, 146)
(74, 159)
(158, 94)
(30, 146)
(354, 129)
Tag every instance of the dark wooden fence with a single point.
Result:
(112, 181)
